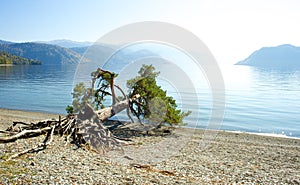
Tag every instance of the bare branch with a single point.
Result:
(22, 134)
(126, 98)
(38, 147)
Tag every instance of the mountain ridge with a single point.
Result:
(50, 54)
(67, 43)
(46, 53)
(5, 42)
(281, 56)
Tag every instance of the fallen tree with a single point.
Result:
(85, 127)
(84, 123)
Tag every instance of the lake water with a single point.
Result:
(257, 100)
(36, 88)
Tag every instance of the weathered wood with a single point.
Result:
(85, 127)
(108, 112)
(23, 134)
(38, 147)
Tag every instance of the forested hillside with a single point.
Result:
(46, 53)
(6, 58)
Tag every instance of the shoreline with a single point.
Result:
(35, 115)
(227, 158)
(263, 134)
(31, 111)
(6, 65)
(7, 116)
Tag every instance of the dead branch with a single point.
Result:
(22, 134)
(38, 147)
(126, 98)
(85, 127)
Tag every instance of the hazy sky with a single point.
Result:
(232, 29)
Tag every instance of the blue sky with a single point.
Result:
(232, 29)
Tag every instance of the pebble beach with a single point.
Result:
(178, 158)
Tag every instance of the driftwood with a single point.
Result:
(85, 127)
(38, 147)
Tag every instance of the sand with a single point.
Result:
(7, 116)
(179, 158)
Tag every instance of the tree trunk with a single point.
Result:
(113, 92)
(108, 112)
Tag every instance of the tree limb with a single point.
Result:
(22, 134)
(126, 98)
(38, 147)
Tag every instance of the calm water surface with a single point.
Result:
(257, 100)
(36, 88)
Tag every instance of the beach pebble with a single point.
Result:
(229, 159)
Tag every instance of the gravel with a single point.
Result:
(230, 158)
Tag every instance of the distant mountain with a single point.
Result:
(99, 47)
(111, 58)
(124, 57)
(7, 59)
(5, 42)
(79, 50)
(46, 53)
(283, 56)
(67, 43)
(50, 54)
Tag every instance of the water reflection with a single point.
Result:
(257, 100)
(268, 101)
(41, 88)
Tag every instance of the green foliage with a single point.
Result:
(153, 103)
(149, 101)
(102, 82)
(70, 109)
(6, 58)
(81, 96)
(103, 86)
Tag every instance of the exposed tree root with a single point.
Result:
(85, 127)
